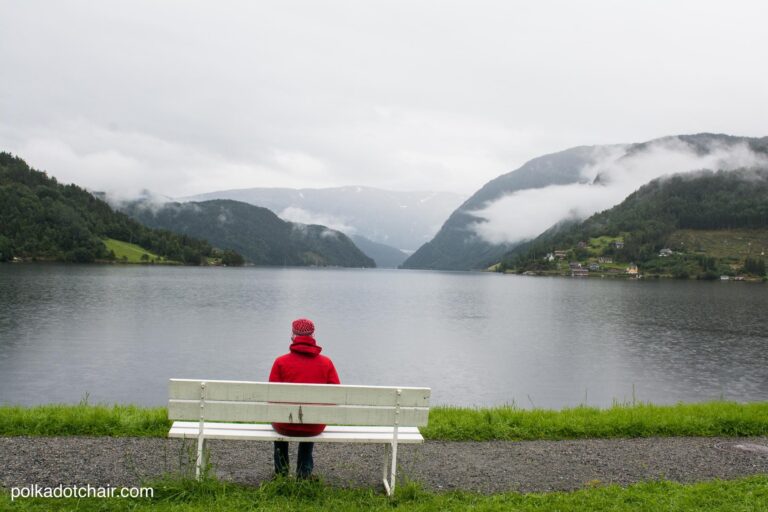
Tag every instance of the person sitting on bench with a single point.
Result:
(303, 364)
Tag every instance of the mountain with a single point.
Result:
(385, 256)
(256, 233)
(581, 180)
(404, 220)
(704, 224)
(457, 247)
(43, 219)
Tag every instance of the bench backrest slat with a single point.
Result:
(187, 389)
(298, 403)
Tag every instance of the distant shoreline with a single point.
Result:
(602, 275)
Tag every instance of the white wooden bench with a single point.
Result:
(220, 409)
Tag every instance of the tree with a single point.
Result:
(232, 259)
(754, 266)
(40, 218)
(6, 249)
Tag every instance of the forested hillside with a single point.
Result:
(43, 219)
(671, 213)
(404, 220)
(257, 233)
(459, 245)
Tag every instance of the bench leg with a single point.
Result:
(199, 460)
(389, 470)
(393, 469)
(385, 468)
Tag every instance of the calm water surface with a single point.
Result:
(117, 333)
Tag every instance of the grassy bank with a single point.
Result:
(84, 420)
(445, 423)
(642, 420)
(749, 494)
(132, 253)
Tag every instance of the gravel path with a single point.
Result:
(486, 467)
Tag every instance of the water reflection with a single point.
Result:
(118, 333)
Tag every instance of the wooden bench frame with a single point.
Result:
(243, 410)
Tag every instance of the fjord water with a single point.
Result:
(117, 333)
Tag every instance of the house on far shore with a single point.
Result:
(561, 254)
(618, 244)
(582, 245)
(604, 259)
(579, 272)
(665, 252)
(549, 257)
(632, 269)
(594, 267)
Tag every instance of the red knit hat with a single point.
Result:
(303, 327)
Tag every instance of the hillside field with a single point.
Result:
(131, 253)
(737, 244)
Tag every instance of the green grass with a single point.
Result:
(132, 253)
(642, 420)
(733, 244)
(598, 245)
(84, 420)
(747, 494)
(445, 423)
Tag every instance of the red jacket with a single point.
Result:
(303, 364)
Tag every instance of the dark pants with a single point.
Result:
(304, 464)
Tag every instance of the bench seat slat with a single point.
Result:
(330, 435)
(386, 429)
(296, 413)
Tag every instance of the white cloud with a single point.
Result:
(189, 98)
(327, 233)
(527, 213)
(124, 164)
(301, 216)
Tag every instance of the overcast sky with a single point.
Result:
(187, 97)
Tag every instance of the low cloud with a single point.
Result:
(614, 175)
(328, 233)
(124, 163)
(302, 216)
(304, 231)
(145, 97)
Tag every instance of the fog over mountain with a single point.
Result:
(571, 184)
(613, 175)
(457, 247)
(256, 233)
(403, 220)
